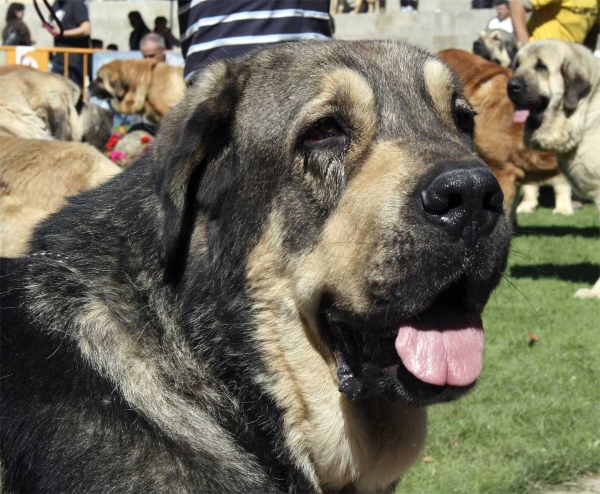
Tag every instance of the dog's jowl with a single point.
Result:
(268, 302)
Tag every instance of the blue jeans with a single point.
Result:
(75, 67)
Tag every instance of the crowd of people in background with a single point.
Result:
(548, 19)
(74, 18)
(575, 21)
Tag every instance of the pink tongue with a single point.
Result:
(519, 116)
(443, 348)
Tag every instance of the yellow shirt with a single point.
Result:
(569, 20)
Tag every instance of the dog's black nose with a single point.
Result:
(477, 45)
(515, 86)
(466, 202)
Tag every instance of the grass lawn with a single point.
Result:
(534, 419)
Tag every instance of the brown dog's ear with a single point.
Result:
(192, 136)
(576, 82)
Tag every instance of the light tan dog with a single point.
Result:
(39, 105)
(499, 140)
(497, 45)
(144, 87)
(7, 69)
(36, 177)
(500, 47)
(556, 91)
(38, 171)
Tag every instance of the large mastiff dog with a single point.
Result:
(497, 46)
(556, 92)
(36, 177)
(269, 301)
(38, 169)
(41, 105)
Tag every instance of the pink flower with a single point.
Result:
(118, 155)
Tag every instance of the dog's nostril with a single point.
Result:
(454, 201)
(493, 201)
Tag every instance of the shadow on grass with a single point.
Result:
(560, 231)
(579, 273)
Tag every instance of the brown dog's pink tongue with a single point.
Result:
(446, 348)
(519, 116)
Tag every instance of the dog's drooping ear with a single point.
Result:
(513, 48)
(192, 136)
(576, 82)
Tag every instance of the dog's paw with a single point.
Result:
(587, 293)
(526, 207)
(564, 210)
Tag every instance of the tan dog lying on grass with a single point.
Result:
(38, 170)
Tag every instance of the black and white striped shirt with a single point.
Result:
(214, 29)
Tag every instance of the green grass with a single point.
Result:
(534, 419)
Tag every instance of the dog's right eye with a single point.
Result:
(540, 67)
(322, 130)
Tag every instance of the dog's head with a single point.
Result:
(96, 125)
(50, 99)
(551, 80)
(335, 184)
(497, 45)
(125, 84)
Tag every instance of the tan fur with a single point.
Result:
(371, 444)
(35, 179)
(7, 69)
(361, 445)
(144, 87)
(438, 80)
(497, 44)
(29, 100)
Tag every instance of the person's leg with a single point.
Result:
(76, 73)
(58, 66)
(76, 69)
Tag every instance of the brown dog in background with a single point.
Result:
(145, 87)
(499, 140)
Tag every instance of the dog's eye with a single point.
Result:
(324, 129)
(464, 117)
(540, 67)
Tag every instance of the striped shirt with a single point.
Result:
(214, 29)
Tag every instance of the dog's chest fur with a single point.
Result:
(583, 172)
